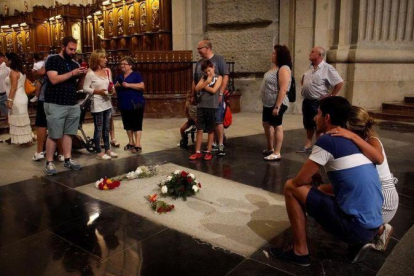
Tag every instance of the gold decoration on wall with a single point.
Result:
(143, 16)
(62, 31)
(120, 22)
(27, 39)
(110, 24)
(155, 15)
(9, 42)
(19, 42)
(131, 23)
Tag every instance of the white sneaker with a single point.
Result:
(61, 158)
(381, 242)
(113, 154)
(103, 157)
(38, 156)
(35, 99)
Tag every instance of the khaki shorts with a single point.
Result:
(61, 119)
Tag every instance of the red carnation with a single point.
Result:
(199, 185)
(184, 174)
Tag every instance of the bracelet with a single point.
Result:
(10, 100)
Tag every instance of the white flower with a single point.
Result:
(195, 188)
(144, 169)
(131, 175)
(169, 178)
(98, 182)
(191, 175)
(177, 172)
(164, 189)
(138, 171)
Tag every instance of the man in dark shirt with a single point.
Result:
(64, 78)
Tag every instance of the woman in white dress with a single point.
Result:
(19, 122)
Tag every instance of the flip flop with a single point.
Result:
(136, 149)
(128, 147)
(115, 143)
(273, 157)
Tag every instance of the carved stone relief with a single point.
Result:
(62, 31)
(110, 24)
(9, 41)
(143, 16)
(76, 33)
(131, 23)
(120, 22)
(19, 42)
(155, 15)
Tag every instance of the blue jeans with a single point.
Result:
(101, 121)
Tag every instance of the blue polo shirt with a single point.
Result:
(127, 97)
(354, 178)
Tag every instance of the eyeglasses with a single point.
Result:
(201, 48)
(125, 64)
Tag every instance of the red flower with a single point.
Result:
(184, 174)
(152, 198)
(189, 179)
(199, 185)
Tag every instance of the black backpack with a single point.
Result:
(292, 91)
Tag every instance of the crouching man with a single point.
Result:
(353, 213)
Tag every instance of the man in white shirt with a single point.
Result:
(4, 73)
(320, 81)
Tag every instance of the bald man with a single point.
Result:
(320, 81)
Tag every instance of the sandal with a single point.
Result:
(136, 149)
(273, 157)
(115, 143)
(128, 147)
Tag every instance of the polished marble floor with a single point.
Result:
(48, 228)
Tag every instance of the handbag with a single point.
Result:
(228, 117)
(29, 88)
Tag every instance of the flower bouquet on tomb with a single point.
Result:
(180, 184)
(159, 206)
(107, 183)
(142, 172)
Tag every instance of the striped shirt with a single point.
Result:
(354, 179)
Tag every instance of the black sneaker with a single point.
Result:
(221, 151)
(357, 253)
(288, 255)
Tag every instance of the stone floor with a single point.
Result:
(49, 228)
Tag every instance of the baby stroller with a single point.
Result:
(84, 142)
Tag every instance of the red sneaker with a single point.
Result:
(208, 156)
(195, 156)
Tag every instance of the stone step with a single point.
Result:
(409, 98)
(398, 108)
(382, 115)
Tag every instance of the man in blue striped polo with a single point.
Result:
(353, 213)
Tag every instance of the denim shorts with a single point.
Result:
(325, 210)
(4, 111)
(62, 119)
(220, 113)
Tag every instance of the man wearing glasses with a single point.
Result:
(205, 50)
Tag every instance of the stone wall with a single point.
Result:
(244, 31)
